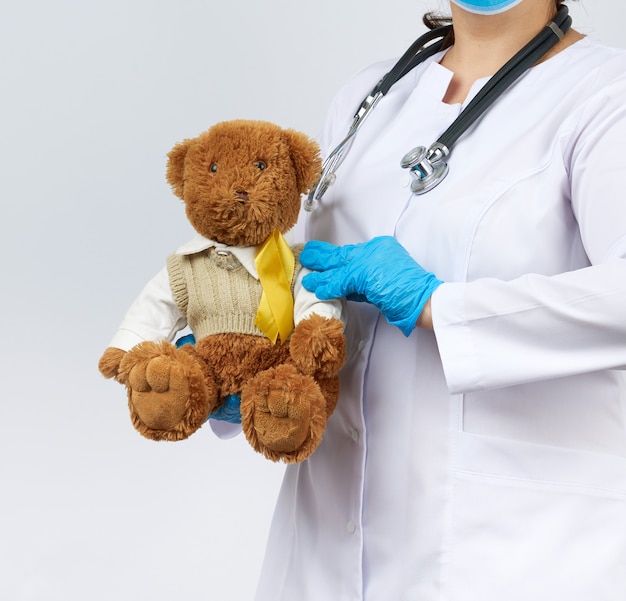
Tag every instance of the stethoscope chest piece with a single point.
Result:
(427, 167)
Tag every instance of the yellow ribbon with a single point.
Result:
(275, 265)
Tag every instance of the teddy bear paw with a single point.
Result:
(168, 395)
(283, 414)
(109, 363)
(318, 346)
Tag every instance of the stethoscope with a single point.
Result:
(428, 166)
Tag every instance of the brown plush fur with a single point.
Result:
(283, 414)
(236, 358)
(248, 201)
(240, 181)
(169, 394)
(317, 346)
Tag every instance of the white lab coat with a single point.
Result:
(486, 461)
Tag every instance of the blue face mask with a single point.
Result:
(486, 7)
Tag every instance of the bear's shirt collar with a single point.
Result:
(244, 254)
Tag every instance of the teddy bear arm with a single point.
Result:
(318, 346)
(153, 315)
(109, 363)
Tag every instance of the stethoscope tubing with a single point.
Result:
(423, 48)
(417, 53)
(505, 76)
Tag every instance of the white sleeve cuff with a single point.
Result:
(454, 340)
(307, 304)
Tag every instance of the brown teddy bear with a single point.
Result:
(237, 286)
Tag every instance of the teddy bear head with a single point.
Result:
(241, 180)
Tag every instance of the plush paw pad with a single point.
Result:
(167, 392)
(283, 413)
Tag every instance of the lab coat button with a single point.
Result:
(361, 345)
(351, 527)
(354, 434)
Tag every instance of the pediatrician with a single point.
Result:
(478, 450)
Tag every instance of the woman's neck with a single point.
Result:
(484, 43)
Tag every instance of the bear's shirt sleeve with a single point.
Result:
(153, 316)
(306, 303)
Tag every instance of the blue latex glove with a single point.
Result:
(188, 339)
(380, 272)
(229, 410)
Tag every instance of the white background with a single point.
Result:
(93, 96)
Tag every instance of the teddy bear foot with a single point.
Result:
(283, 414)
(168, 395)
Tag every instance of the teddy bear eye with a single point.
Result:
(213, 168)
(260, 165)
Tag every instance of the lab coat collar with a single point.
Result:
(437, 78)
(244, 254)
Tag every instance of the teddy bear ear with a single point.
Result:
(176, 167)
(305, 154)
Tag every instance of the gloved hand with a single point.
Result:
(380, 272)
(229, 411)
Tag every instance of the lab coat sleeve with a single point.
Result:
(494, 333)
(153, 316)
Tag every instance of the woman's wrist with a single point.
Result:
(425, 320)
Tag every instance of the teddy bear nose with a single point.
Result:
(242, 195)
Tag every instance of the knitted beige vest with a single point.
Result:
(216, 293)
